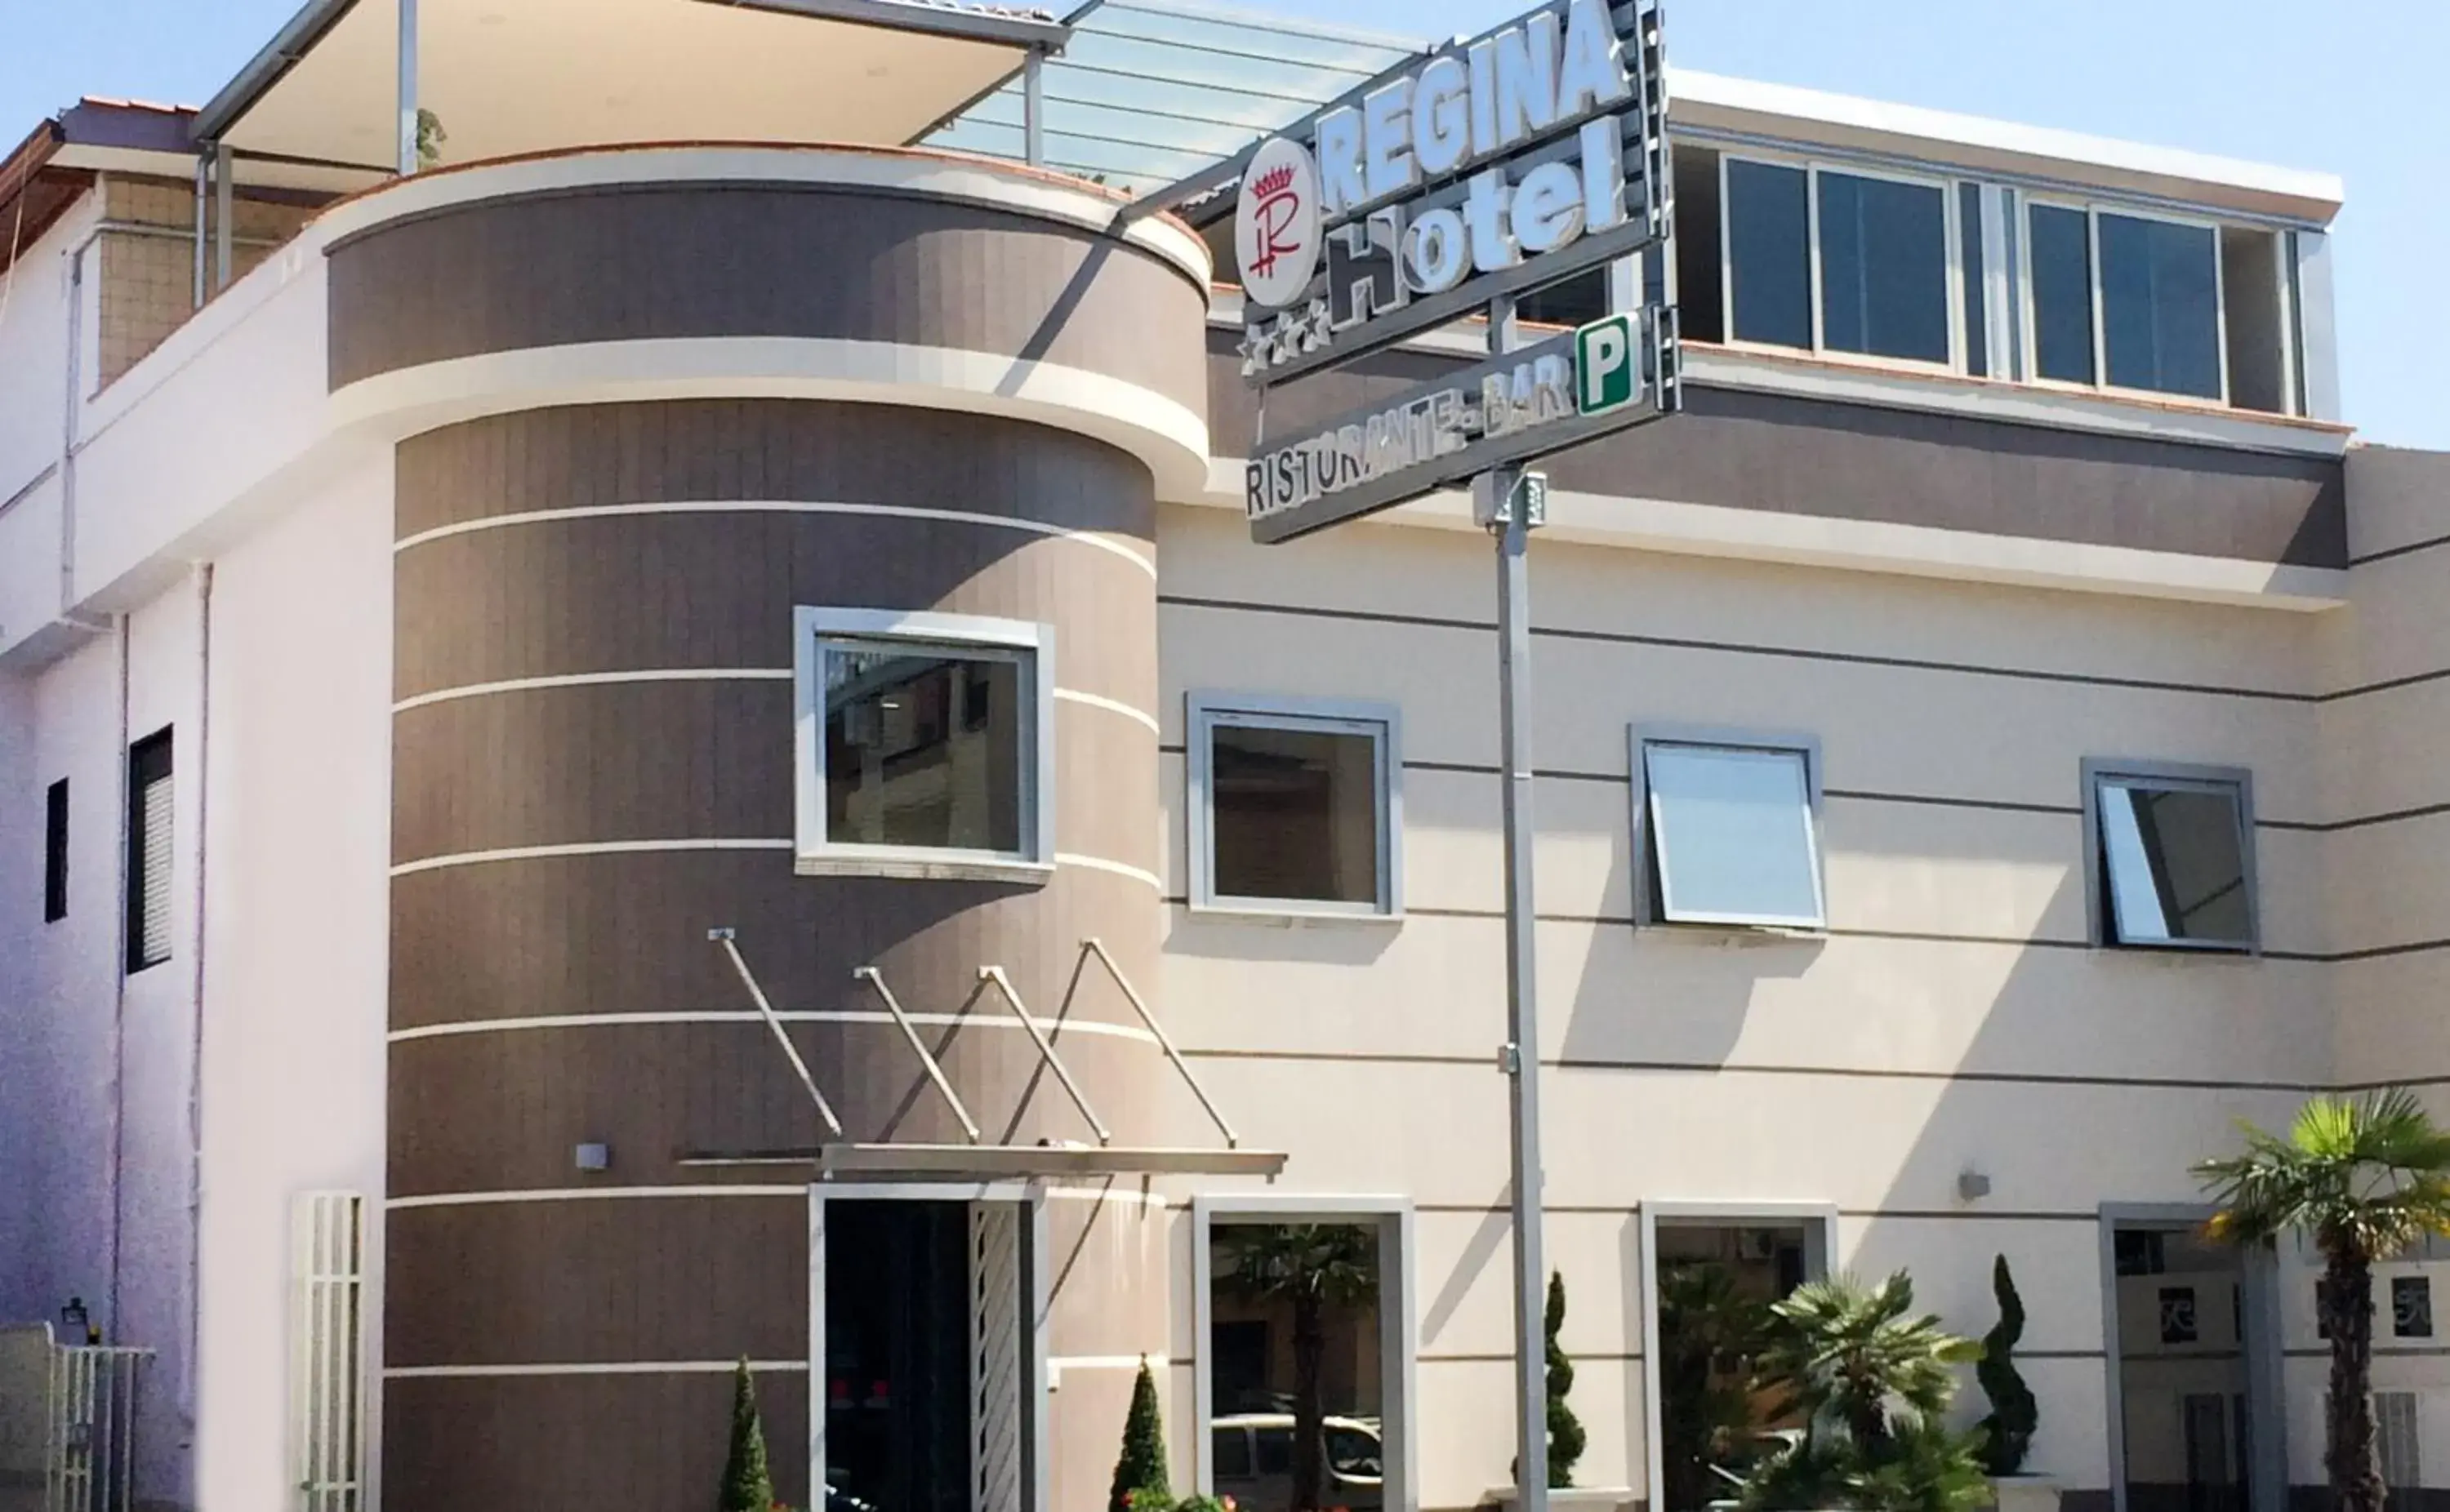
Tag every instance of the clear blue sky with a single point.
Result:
(2357, 87)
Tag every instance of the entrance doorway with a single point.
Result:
(926, 1390)
(2193, 1368)
(1709, 1275)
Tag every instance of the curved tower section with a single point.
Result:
(775, 551)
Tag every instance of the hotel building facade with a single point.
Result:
(484, 651)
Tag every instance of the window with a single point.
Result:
(150, 816)
(56, 852)
(2397, 1445)
(1842, 263)
(2411, 1306)
(2171, 857)
(923, 745)
(327, 1387)
(1968, 236)
(1229, 1453)
(1294, 806)
(1769, 253)
(1733, 831)
(2127, 302)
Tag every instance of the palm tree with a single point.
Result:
(1872, 1382)
(1311, 1267)
(2363, 1178)
(1708, 1332)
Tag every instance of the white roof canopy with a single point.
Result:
(505, 77)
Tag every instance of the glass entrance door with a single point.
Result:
(897, 1385)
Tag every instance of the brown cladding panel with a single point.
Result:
(693, 591)
(503, 1110)
(1791, 455)
(590, 455)
(694, 760)
(565, 935)
(646, 262)
(580, 1443)
(609, 1281)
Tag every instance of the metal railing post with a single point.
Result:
(911, 1032)
(1045, 1049)
(808, 1079)
(1097, 947)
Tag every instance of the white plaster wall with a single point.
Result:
(298, 946)
(158, 1142)
(21, 1059)
(33, 351)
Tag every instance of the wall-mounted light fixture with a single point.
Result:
(1973, 1185)
(594, 1157)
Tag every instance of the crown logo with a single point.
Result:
(1272, 183)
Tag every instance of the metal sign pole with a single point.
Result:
(1521, 1057)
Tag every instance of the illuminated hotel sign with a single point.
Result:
(1496, 166)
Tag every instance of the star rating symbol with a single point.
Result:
(1294, 333)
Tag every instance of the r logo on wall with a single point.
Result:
(1276, 226)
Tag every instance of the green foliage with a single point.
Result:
(1872, 1382)
(2364, 1178)
(1311, 1267)
(2008, 1432)
(1141, 1481)
(1709, 1333)
(430, 137)
(1565, 1436)
(747, 1484)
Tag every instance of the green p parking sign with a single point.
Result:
(1607, 366)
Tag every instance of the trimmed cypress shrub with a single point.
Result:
(747, 1484)
(1140, 1478)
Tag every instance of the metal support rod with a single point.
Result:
(825, 1109)
(1033, 108)
(224, 216)
(1097, 947)
(1522, 1055)
(911, 1032)
(1045, 1049)
(204, 203)
(407, 86)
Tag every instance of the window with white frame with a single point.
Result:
(924, 743)
(1295, 805)
(1839, 261)
(2173, 856)
(2125, 300)
(1731, 831)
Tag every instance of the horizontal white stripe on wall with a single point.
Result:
(1110, 1362)
(980, 1020)
(1118, 869)
(494, 1199)
(679, 674)
(705, 674)
(641, 847)
(783, 507)
(429, 1372)
(1110, 705)
(601, 847)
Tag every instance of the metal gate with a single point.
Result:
(67, 1424)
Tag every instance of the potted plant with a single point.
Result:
(2008, 1432)
(1567, 1437)
(1870, 1384)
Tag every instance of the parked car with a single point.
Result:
(1254, 1460)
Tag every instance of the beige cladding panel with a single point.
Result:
(1687, 998)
